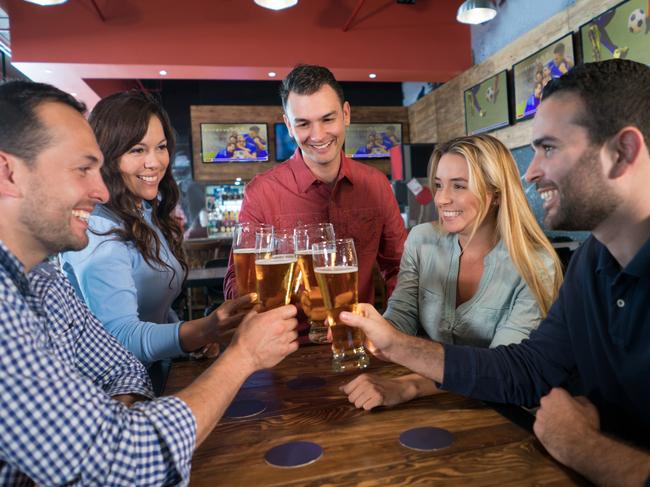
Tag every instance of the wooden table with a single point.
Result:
(362, 448)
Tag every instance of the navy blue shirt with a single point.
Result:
(599, 328)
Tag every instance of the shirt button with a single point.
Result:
(620, 303)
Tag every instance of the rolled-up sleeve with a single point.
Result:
(57, 427)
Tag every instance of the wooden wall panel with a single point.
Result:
(440, 115)
(224, 173)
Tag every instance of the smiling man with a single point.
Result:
(319, 184)
(592, 168)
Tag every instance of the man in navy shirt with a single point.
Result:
(592, 168)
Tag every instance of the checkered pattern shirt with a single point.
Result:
(58, 371)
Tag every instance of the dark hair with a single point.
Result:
(615, 94)
(120, 121)
(22, 133)
(306, 79)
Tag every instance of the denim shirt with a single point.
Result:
(503, 310)
(131, 298)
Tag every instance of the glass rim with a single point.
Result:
(254, 224)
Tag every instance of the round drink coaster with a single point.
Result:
(306, 382)
(426, 438)
(293, 454)
(244, 408)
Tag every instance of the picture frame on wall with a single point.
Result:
(234, 142)
(532, 73)
(372, 140)
(486, 105)
(622, 32)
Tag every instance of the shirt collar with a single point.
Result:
(305, 178)
(639, 266)
(10, 263)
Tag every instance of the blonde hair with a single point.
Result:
(492, 170)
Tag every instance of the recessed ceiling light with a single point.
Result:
(276, 4)
(47, 3)
(272, 74)
(162, 72)
(73, 94)
(48, 71)
(372, 76)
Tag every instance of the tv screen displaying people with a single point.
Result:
(372, 140)
(240, 142)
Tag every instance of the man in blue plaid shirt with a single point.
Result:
(75, 407)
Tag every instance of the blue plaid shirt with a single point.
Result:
(58, 371)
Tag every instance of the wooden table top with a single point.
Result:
(360, 447)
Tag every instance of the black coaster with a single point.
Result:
(293, 454)
(426, 439)
(306, 382)
(244, 408)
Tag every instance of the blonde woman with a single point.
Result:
(484, 274)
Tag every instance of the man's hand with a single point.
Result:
(563, 423)
(264, 339)
(368, 391)
(380, 334)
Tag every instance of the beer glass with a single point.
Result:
(337, 272)
(308, 294)
(243, 253)
(275, 262)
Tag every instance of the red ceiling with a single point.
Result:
(235, 39)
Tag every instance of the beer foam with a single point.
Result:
(277, 260)
(337, 270)
(244, 251)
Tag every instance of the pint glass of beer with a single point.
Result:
(308, 294)
(243, 253)
(275, 262)
(337, 273)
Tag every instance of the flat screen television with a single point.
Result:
(621, 32)
(234, 142)
(371, 140)
(532, 74)
(285, 146)
(486, 105)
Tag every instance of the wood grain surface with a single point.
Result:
(360, 447)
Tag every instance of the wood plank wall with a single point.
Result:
(226, 173)
(440, 115)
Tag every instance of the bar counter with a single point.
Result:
(361, 447)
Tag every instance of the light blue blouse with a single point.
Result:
(129, 296)
(502, 311)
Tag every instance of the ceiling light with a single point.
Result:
(47, 3)
(48, 71)
(272, 74)
(372, 76)
(476, 11)
(276, 4)
(162, 72)
(74, 94)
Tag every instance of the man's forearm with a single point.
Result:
(210, 394)
(609, 462)
(422, 356)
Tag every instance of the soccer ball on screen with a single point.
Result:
(489, 94)
(636, 21)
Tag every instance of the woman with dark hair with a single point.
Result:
(133, 267)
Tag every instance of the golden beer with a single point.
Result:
(274, 277)
(339, 286)
(310, 297)
(244, 261)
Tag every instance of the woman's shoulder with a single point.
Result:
(426, 233)
(102, 219)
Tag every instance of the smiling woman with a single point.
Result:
(133, 268)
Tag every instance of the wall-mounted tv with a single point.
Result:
(486, 105)
(532, 74)
(234, 142)
(621, 32)
(371, 140)
(285, 145)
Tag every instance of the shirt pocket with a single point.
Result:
(430, 310)
(292, 220)
(477, 328)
